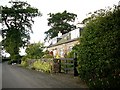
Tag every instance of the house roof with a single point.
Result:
(66, 38)
(62, 41)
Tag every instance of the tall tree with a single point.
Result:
(60, 22)
(35, 50)
(17, 23)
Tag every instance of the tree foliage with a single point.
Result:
(60, 22)
(35, 51)
(17, 23)
(99, 50)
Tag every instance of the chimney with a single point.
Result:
(59, 34)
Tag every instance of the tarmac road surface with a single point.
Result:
(14, 76)
(0, 75)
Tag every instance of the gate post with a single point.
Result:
(59, 62)
(75, 64)
(57, 65)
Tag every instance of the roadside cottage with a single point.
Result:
(62, 44)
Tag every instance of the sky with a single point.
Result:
(79, 7)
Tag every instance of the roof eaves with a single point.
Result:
(63, 42)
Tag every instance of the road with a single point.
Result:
(0, 75)
(18, 77)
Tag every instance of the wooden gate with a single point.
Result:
(66, 65)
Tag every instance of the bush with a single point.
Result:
(5, 59)
(12, 61)
(24, 63)
(47, 56)
(74, 50)
(70, 54)
(24, 58)
(42, 66)
(9, 62)
(99, 51)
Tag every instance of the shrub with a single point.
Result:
(42, 66)
(70, 54)
(47, 56)
(12, 61)
(35, 50)
(99, 51)
(24, 63)
(74, 50)
(9, 62)
(24, 58)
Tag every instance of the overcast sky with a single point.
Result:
(79, 7)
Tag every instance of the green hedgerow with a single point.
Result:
(99, 50)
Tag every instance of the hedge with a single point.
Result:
(99, 51)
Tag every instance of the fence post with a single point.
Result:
(75, 64)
